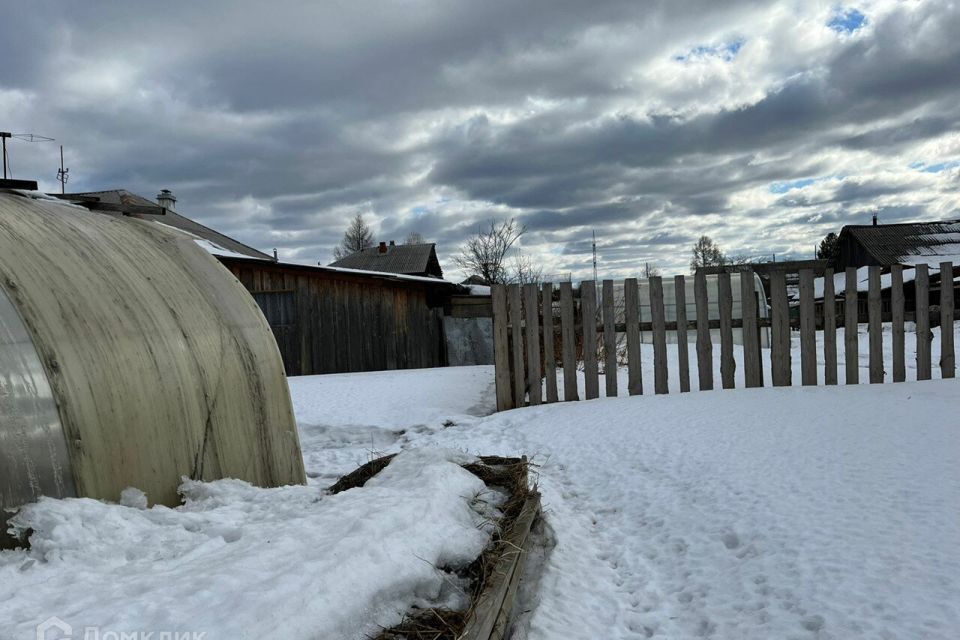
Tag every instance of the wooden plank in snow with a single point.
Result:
(609, 340)
(728, 366)
(780, 366)
(531, 307)
(588, 310)
(631, 303)
(549, 343)
(660, 384)
(808, 330)
(501, 348)
(683, 354)
(829, 329)
(704, 343)
(874, 327)
(569, 342)
(851, 347)
(897, 317)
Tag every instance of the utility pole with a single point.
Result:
(594, 255)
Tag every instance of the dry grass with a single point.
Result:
(508, 474)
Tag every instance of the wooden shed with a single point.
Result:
(334, 320)
(130, 357)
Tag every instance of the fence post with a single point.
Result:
(781, 371)
(922, 313)
(947, 355)
(660, 384)
(531, 306)
(609, 340)
(728, 366)
(588, 325)
(874, 326)
(896, 315)
(808, 330)
(683, 349)
(501, 349)
(549, 343)
(752, 375)
(851, 319)
(569, 340)
(704, 342)
(631, 316)
(829, 329)
(516, 331)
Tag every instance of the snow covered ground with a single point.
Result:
(826, 512)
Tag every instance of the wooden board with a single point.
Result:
(549, 345)
(808, 330)
(922, 314)
(660, 384)
(704, 343)
(609, 340)
(851, 354)
(728, 366)
(829, 329)
(780, 366)
(516, 334)
(531, 307)
(948, 361)
(752, 374)
(874, 327)
(897, 318)
(683, 355)
(569, 342)
(501, 350)
(631, 312)
(588, 310)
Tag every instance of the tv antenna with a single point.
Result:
(26, 137)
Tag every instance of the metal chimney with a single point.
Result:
(167, 200)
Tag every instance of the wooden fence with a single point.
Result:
(531, 334)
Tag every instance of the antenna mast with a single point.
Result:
(27, 137)
(62, 174)
(594, 254)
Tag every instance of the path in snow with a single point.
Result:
(787, 513)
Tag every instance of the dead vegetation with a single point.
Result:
(507, 474)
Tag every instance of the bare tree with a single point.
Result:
(357, 237)
(525, 270)
(485, 253)
(414, 237)
(706, 253)
(650, 270)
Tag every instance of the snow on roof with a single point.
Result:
(863, 279)
(909, 243)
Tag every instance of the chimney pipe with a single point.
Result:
(167, 200)
(874, 219)
(383, 247)
(392, 243)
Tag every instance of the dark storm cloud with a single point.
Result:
(276, 122)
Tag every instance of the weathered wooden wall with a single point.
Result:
(336, 322)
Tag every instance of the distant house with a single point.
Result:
(884, 245)
(406, 259)
(909, 244)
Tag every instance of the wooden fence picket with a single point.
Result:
(897, 318)
(501, 348)
(948, 364)
(609, 340)
(780, 361)
(728, 366)
(683, 349)
(752, 373)
(516, 332)
(874, 326)
(829, 329)
(588, 325)
(851, 318)
(531, 307)
(569, 341)
(549, 343)
(922, 313)
(631, 316)
(808, 330)
(704, 343)
(658, 318)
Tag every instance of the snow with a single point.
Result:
(802, 512)
(238, 561)
(886, 279)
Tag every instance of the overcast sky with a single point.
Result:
(764, 125)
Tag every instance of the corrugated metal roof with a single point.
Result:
(174, 219)
(908, 243)
(409, 259)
